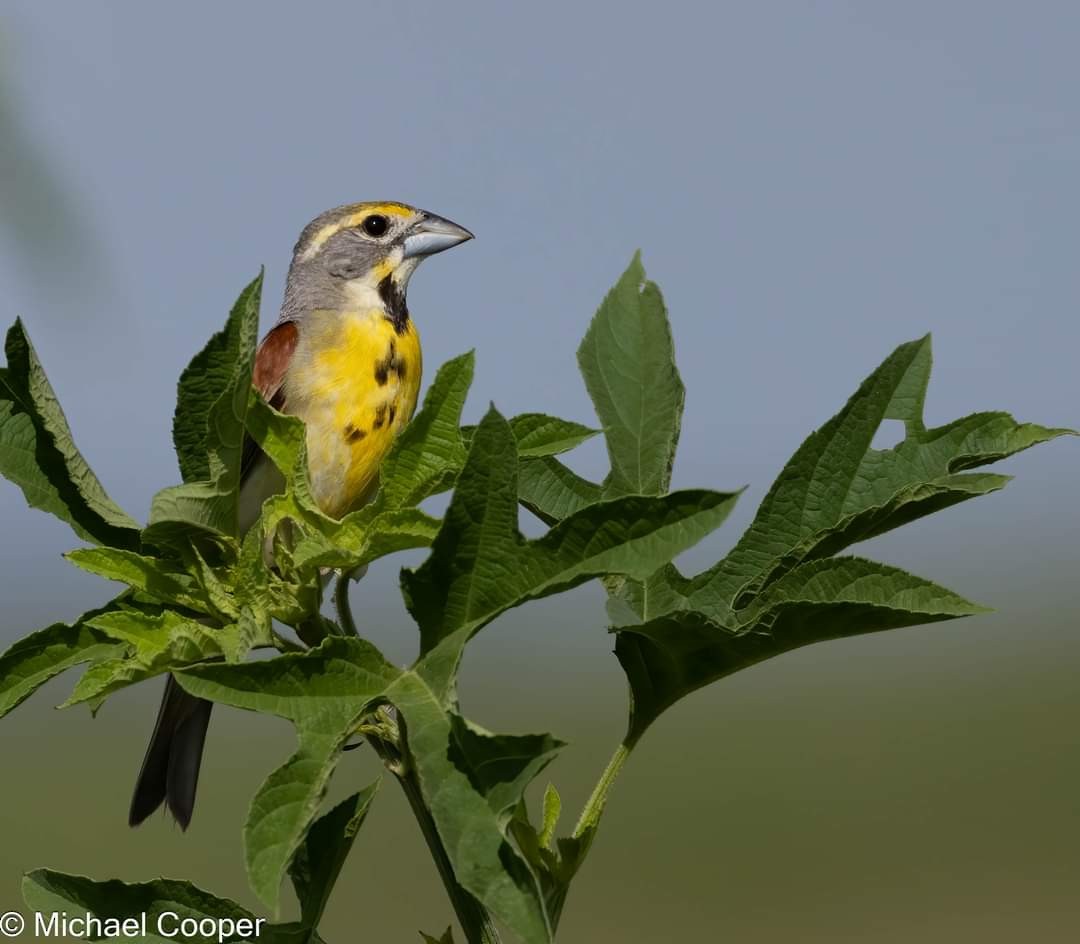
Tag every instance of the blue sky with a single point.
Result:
(810, 185)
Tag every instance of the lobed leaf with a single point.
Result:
(481, 566)
(151, 644)
(467, 776)
(324, 693)
(780, 587)
(36, 658)
(837, 490)
(153, 576)
(38, 453)
(670, 656)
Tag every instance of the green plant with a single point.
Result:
(200, 597)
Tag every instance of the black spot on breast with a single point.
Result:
(391, 363)
(354, 435)
(393, 413)
(380, 416)
(394, 299)
(386, 366)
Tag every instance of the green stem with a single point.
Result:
(590, 815)
(474, 919)
(342, 605)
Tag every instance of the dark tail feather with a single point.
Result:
(170, 769)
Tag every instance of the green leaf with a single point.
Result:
(464, 802)
(671, 656)
(552, 811)
(778, 588)
(429, 452)
(324, 694)
(447, 937)
(278, 592)
(153, 644)
(279, 435)
(551, 491)
(210, 385)
(556, 867)
(319, 860)
(842, 582)
(628, 361)
(501, 765)
(38, 454)
(35, 659)
(364, 536)
(837, 490)
(209, 432)
(148, 574)
(162, 900)
(538, 434)
(481, 566)
(466, 776)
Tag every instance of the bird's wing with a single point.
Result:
(271, 362)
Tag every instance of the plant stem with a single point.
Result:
(342, 605)
(590, 815)
(472, 916)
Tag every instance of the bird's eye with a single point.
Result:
(375, 225)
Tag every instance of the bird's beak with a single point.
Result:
(431, 234)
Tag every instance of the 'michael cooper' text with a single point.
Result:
(165, 924)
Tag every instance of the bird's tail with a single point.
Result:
(170, 769)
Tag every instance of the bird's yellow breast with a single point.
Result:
(354, 380)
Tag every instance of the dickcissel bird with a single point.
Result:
(344, 356)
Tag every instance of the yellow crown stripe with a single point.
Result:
(386, 209)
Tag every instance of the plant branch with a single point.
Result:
(474, 919)
(342, 605)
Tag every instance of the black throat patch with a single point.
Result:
(394, 299)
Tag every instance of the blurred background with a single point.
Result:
(810, 185)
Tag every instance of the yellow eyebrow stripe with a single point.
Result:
(355, 218)
(386, 209)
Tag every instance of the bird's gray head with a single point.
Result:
(362, 255)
